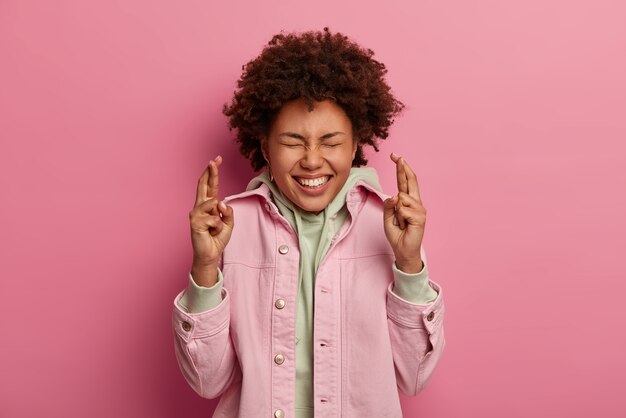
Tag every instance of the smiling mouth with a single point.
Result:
(313, 183)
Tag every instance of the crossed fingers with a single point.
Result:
(208, 184)
(408, 197)
(406, 178)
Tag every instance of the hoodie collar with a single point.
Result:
(360, 180)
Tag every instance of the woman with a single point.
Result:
(309, 292)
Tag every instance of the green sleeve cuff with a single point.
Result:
(197, 299)
(413, 287)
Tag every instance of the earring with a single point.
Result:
(269, 170)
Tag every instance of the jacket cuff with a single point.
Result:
(413, 287)
(196, 299)
(426, 316)
(203, 324)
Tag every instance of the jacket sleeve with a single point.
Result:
(415, 331)
(202, 342)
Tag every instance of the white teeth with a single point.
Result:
(313, 182)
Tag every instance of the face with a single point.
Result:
(310, 153)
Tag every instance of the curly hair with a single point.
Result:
(314, 66)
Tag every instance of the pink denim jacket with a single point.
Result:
(369, 344)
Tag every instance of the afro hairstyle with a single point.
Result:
(314, 66)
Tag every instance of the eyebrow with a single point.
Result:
(300, 137)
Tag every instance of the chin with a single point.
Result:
(312, 208)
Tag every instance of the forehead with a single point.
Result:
(295, 115)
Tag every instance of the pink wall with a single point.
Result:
(515, 126)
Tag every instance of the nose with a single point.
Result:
(312, 159)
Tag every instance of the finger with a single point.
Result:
(201, 190)
(389, 210)
(413, 211)
(215, 223)
(401, 176)
(401, 220)
(413, 187)
(213, 181)
(408, 215)
(208, 206)
(203, 181)
(412, 216)
(405, 199)
(206, 222)
(228, 215)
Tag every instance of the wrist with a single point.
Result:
(204, 263)
(204, 275)
(410, 266)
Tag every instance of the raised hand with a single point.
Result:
(405, 219)
(211, 220)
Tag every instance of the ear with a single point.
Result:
(264, 150)
(355, 146)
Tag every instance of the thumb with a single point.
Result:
(389, 209)
(228, 215)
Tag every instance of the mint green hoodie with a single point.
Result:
(314, 233)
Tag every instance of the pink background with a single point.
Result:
(515, 126)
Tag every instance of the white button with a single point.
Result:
(283, 249)
(279, 359)
(280, 304)
(279, 413)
